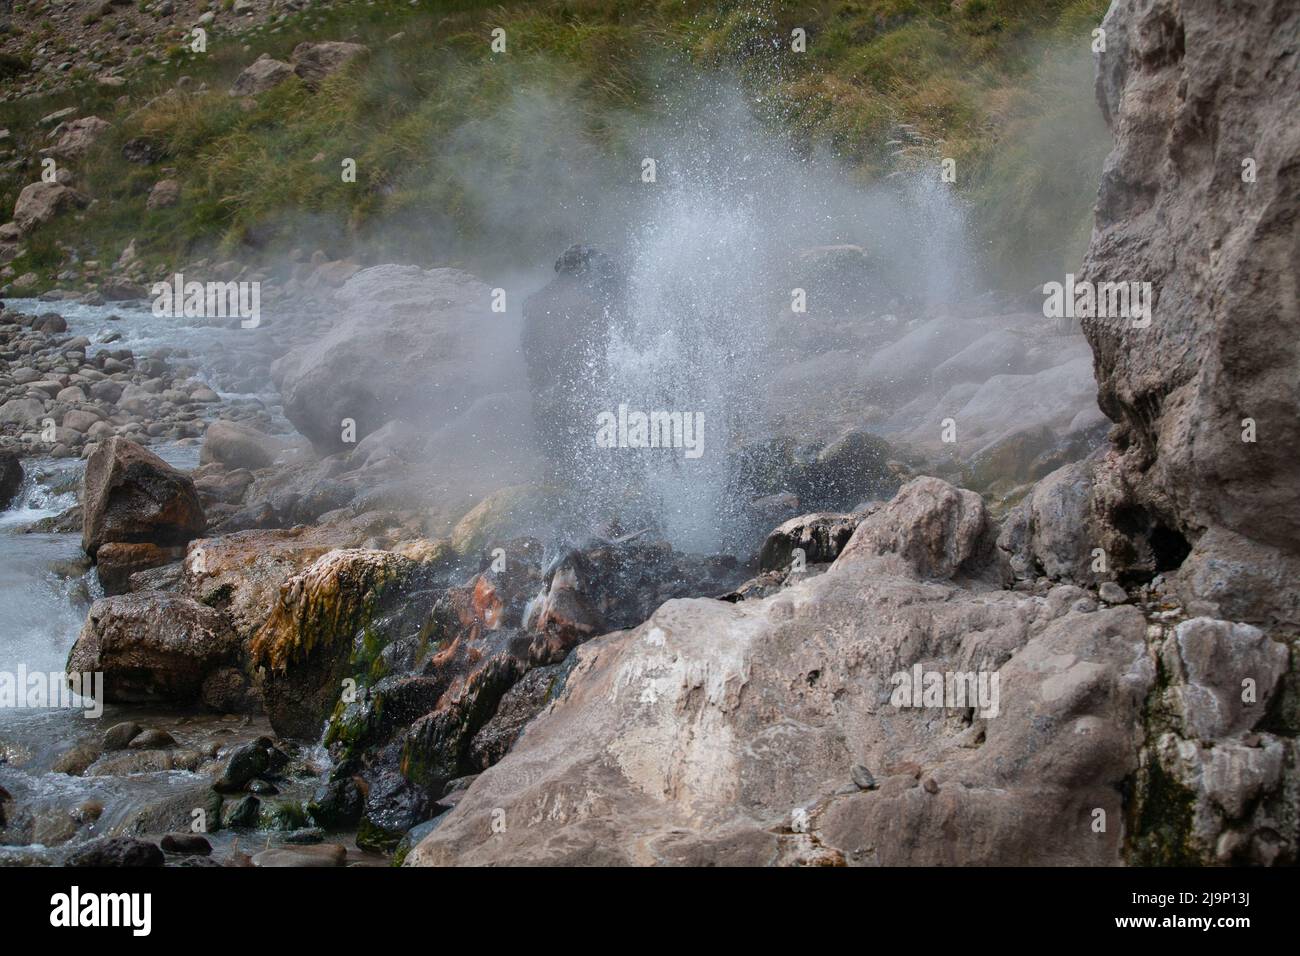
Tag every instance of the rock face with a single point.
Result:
(152, 648)
(854, 715)
(1199, 197)
(408, 347)
(130, 495)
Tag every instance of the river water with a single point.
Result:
(46, 587)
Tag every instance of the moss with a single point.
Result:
(283, 815)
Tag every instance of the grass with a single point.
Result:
(429, 118)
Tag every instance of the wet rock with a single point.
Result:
(76, 761)
(306, 642)
(187, 843)
(119, 736)
(131, 495)
(115, 851)
(11, 478)
(240, 814)
(519, 705)
(152, 647)
(821, 537)
(153, 739)
(325, 854)
(246, 762)
(337, 805)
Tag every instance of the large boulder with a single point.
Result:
(411, 345)
(1200, 199)
(131, 495)
(153, 647)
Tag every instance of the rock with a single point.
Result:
(306, 642)
(40, 202)
(22, 411)
(264, 73)
(153, 739)
(76, 761)
(862, 778)
(116, 561)
(240, 814)
(1051, 532)
(821, 537)
(1112, 593)
(337, 805)
(1213, 660)
(662, 746)
(119, 736)
(246, 762)
(165, 194)
(188, 843)
(76, 137)
(115, 851)
(1000, 352)
(402, 327)
(131, 495)
(936, 530)
(239, 446)
(325, 854)
(11, 475)
(152, 647)
(1220, 353)
(314, 61)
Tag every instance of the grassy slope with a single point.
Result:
(1003, 84)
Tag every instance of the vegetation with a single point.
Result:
(1001, 86)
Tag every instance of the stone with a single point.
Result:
(239, 446)
(41, 201)
(325, 854)
(116, 852)
(936, 530)
(119, 736)
(11, 476)
(164, 194)
(77, 137)
(313, 62)
(263, 74)
(131, 495)
(152, 647)
(187, 843)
